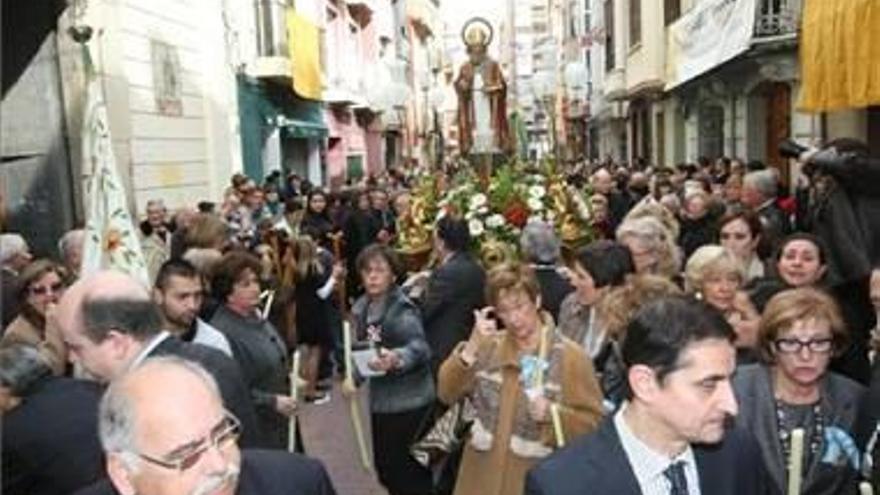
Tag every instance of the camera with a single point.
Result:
(790, 149)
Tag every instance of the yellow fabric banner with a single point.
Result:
(840, 55)
(303, 39)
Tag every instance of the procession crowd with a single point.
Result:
(716, 327)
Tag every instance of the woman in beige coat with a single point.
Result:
(518, 380)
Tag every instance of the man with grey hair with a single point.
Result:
(14, 256)
(50, 427)
(165, 431)
(759, 192)
(70, 247)
(110, 324)
(541, 247)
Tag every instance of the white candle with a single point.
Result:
(795, 462)
(865, 488)
(294, 394)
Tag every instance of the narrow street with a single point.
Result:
(328, 436)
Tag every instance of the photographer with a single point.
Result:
(841, 206)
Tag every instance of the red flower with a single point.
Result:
(517, 214)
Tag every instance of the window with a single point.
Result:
(671, 10)
(635, 22)
(609, 35)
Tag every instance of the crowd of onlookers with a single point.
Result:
(529, 354)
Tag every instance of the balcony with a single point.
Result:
(778, 18)
(273, 55)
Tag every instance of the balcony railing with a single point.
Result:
(778, 17)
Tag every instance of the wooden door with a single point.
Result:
(778, 126)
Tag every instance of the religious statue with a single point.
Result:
(482, 95)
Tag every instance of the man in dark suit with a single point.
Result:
(670, 435)
(50, 427)
(165, 431)
(455, 290)
(111, 325)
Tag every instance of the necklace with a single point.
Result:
(812, 422)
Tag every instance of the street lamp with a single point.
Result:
(545, 91)
(576, 79)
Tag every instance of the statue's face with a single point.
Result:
(476, 54)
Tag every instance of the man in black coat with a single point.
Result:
(670, 433)
(111, 325)
(165, 431)
(455, 290)
(50, 427)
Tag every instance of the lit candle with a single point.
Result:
(795, 462)
(865, 488)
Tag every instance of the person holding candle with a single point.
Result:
(402, 395)
(530, 386)
(800, 330)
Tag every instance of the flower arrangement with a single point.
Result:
(497, 214)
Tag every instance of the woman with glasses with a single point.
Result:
(801, 329)
(42, 284)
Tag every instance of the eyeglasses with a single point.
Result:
(794, 346)
(43, 290)
(226, 432)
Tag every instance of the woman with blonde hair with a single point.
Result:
(716, 275)
(315, 277)
(792, 388)
(516, 379)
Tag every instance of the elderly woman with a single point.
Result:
(741, 233)
(715, 275)
(516, 379)
(403, 393)
(793, 389)
(652, 246)
(42, 283)
(541, 247)
(256, 345)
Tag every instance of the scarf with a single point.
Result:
(525, 438)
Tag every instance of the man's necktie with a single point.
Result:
(675, 474)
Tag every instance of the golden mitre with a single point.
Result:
(476, 36)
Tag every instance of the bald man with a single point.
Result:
(111, 325)
(165, 432)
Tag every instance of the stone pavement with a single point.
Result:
(327, 435)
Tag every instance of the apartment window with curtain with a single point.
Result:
(609, 35)
(635, 22)
(671, 11)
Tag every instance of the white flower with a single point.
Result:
(483, 210)
(537, 191)
(495, 221)
(584, 213)
(441, 214)
(477, 201)
(535, 218)
(535, 204)
(476, 227)
(551, 216)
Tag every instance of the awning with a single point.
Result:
(840, 55)
(303, 129)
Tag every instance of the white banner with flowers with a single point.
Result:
(111, 239)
